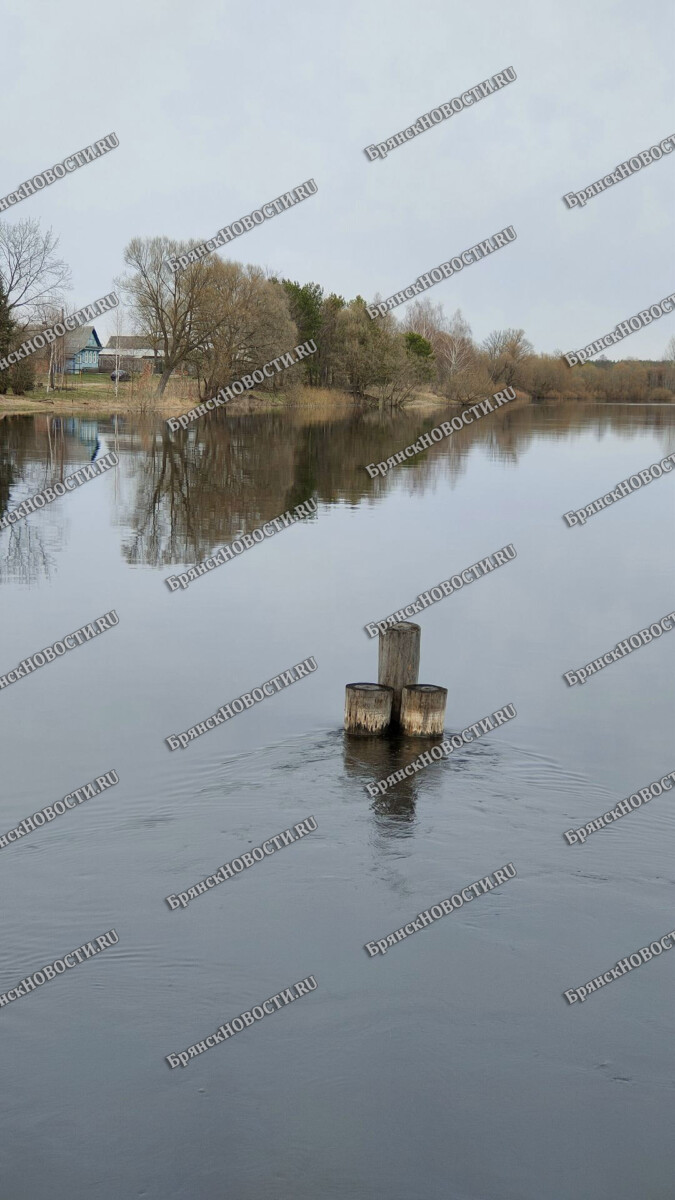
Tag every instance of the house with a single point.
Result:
(130, 353)
(129, 342)
(81, 349)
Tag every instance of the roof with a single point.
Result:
(123, 352)
(77, 339)
(135, 342)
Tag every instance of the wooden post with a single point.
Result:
(367, 708)
(399, 660)
(423, 710)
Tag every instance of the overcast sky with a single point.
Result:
(219, 108)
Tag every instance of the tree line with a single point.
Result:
(218, 319)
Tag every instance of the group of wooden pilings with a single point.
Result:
(397, 700)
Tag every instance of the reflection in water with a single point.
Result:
(205, 486)
(435, 1039)
(208, 485)
(36, 452)
(367, 760)
(26, 556)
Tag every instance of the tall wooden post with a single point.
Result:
(399, 660)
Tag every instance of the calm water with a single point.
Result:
(451, 1069)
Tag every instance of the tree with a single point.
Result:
(6, 331)
(328, 339)
(450, 339)
(374, 356)
(545, 375)
(22, 376)
(419, 347)
(506, 349)
(173, 309)
(31, 274)
(455, 350)
(305, 305)
(251, 324)
(360, 345)
(407, 364)
(306, 308)
(426, 318)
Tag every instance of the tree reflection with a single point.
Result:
(187, 493)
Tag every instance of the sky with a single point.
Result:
(220, 108)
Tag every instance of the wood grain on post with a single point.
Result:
(423, 710)
(367, 708)
(399, 660)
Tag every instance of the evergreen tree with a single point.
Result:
(305, 303)
(419, 346)
(6, 331)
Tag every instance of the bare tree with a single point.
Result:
(450, 339)
(173, 309)
(454, 348)
(32, 276)
(251, 323)
(425, 318)
(506, 349)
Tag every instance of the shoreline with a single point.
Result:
(307, 398)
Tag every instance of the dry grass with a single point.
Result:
(95, 394)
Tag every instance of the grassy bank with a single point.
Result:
(95, 394)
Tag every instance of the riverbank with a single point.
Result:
(95, 396)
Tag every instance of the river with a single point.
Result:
(451, 1068)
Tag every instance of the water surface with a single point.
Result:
(452, 1068)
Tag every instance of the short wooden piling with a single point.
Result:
(399, 660)
(367, 708)
(423, 710)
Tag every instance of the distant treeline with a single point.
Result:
(218, 320)
(456, 366)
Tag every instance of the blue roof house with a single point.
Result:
(82, 349)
